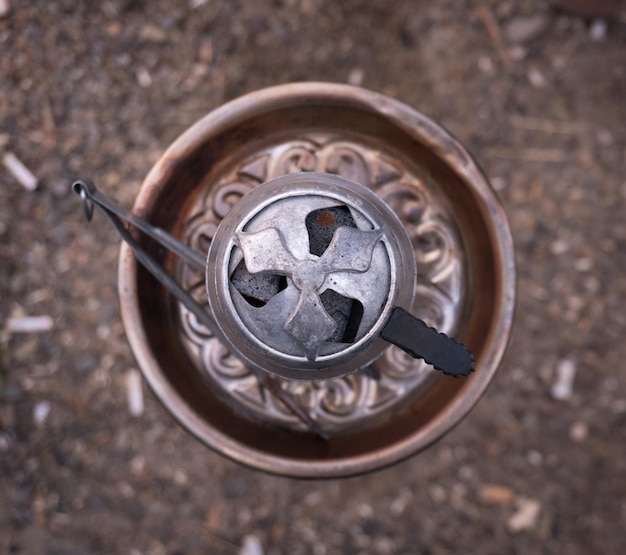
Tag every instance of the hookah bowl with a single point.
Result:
(339, 228)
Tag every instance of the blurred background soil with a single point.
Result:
(100, 89)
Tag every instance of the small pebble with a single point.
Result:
(384, 546)
(144, 78)
(525, 517)
(598, 29)
(618, 406)
(356, 76)
(152, 33)
(134, 393)
(498, 183)
(535, 458)
(525, 29)
(579, 431)
(605, 137)
(137, 465)
(583, 264)
(5, 443)
(559, 247)
(562, 388)
(438, 493)
(41, 412)
(559, 62)
(243, 517)
(123, 60)
(459, 489)
(518, 53)
(180, 478)
(536, 78)
(312, 499)
(126, 490)
(364, 510)
(496, 494)
(103, 331)
(400, 503)
(485, 64)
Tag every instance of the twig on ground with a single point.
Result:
(546, 126)
(528, 154)
(134, 393)
(563, 386)
(19, 171)
(251, 546)
(485, 15)
(5, 7)
(29, 324)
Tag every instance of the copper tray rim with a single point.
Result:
(452, 153)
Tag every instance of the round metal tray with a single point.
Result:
(464, 286)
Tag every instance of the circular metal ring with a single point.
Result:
(366, 271)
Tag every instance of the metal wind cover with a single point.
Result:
(303, 273)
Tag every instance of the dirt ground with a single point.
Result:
(99, 89)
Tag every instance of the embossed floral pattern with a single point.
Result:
(395, 378)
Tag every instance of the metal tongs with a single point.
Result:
(402, 329)
(117, 215)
